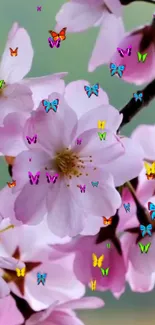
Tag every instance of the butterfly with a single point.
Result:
(95, 184)
(150, 170)
(83, 188)
(34, 179)
(53, 43)
(93, 285)
(102, 136)
(101, 124)
(11, 184)
(144, 248)
(146, 230)
(97, 261)
(79, 141)
(61, 35)
(41, 278)
(13, 52)
(21, 272)
(104, 271)
(2, 83)
(114, 69)
(151, 207)
(141, 57)
(126, 52)
(30, 140)
(50, 105)
(107, 221)
(39, 8)
(92, 90)
(138, 96)
(127, 207)
(51, 178)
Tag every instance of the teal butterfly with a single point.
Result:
(144, 248)
(95, 184)
(92, 90)
(102, 136)
(114, 69)
(104, 271)
(50, 105)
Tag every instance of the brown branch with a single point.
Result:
(133, 107)
(126, 2)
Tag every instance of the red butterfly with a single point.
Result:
(61, 35)
(13, 52)
(11, 184)
(107, 221)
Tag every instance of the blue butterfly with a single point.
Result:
(151, 207)
(138, 96)
(92, 90)
(95, 184)
(50, 105)
(41, 278)
(146, 230)
(114, 69)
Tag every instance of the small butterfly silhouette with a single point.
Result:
(141, 57)
(95, 184)
(13, 52)
(53, 43)
(61, 35)
(32, 140)
(138, 96)
(92, 90)
(41, 278)
(127, 207)
(39, 8)
(114, 69)
(102, 136)
(151, 207)
(51, 178)
(126, 52)
(11, 184)
(97, 261)
(2, 83)
(82, 188)
(144, 248)
(93, 285)
(34, 179)
(101, 124)
(150, 170)
(146, 230)
(21, 272)
(50, 105)
(79, 141)
(104, 271)
(107, 221)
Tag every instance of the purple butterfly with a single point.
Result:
(79, 141)
(30, 140)
(51, 178)
(53, 43)
(126, 52)
(34, 179)
(83, 188)
(39, 8)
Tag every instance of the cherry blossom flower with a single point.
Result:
(10, 315)
(79, 15)
(59, 313)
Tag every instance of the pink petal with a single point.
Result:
(140, 282)
(83, 303)
(10, 263)
(42, 87)
(92, 226)
(77, 17)
(144, 135)
(129, 165)
(11, 135)
(13, 69)
(10, 315)
(4, 289)
(77, 98)
(111, 28)
(114, 6)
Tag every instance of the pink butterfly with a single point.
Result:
(53, 43)
(51, 178)
(79, 141)
(30, 140)
(34, 179)
(83, 188)
(126, 52)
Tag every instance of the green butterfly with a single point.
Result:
(141, 57)
(2, 83)
(102, 136)
(144, 248)
(104, 271)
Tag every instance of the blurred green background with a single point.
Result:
(131, 308)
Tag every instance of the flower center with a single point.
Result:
(66, 163)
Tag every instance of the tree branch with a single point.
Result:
(126, 2)
(133, 107)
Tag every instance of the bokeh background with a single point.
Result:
(73, 56)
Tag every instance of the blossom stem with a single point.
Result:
(133, 107)
(126, 2)
(11, 226)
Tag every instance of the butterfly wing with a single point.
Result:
(55, 104)
(107, 271)
(152, 214)
(104, 135)
(129, 50)
(120, 70)
(139, 56)
(18, 272)
(62, 34)
(151, 206)
(50, 42)
(113, 69)
(102, 271)
(149, 229)
(88, 91)
(141, 246)
(57, 43)
(100, 261)
(16, 51)
(105, 221)
(100, 135)
(54, 35)
(135, 96)
(23, 271)
(46, 105)
(144, 56)
(143, 230)
(94, 259)
(147, 247)
(120, 51)
(95, 89)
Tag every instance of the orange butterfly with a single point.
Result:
(11, 184)
(13, 52)
(107, 221)
(61, 35)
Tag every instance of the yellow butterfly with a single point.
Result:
(93, 285)
(21, 272)
(101, 124)
(150, 170)
(97, 261)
